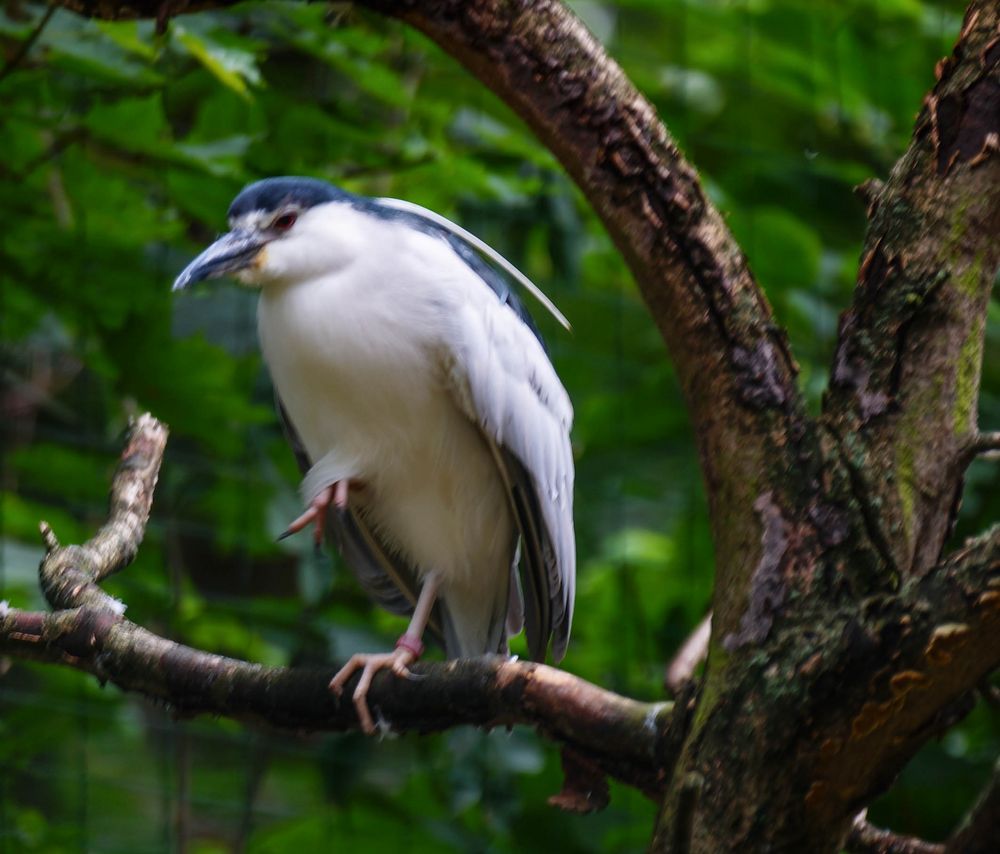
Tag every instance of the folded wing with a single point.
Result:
(501, 377)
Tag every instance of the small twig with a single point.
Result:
(868, 191)
(48, 537)
(28, 43)
(182, 792)
(985, 445)
(988, 441)
(255, 774)
(980, 829)
(693, 652)
(69, 575)
(865, 838)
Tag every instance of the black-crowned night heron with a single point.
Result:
(429, 421)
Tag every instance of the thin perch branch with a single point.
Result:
(624, 738)
(865, 838)
(627, 739)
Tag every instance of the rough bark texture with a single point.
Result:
(830, 684)
(904, 387)
(840, 641)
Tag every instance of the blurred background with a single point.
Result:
(120, 149)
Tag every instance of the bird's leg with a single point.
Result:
(316, 512)
(408, 649)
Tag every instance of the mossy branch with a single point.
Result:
(904, 387)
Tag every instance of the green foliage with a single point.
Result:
(121, 150)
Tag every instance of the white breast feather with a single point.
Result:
(389, 368)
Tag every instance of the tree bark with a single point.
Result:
(841, 641)
(904, 387)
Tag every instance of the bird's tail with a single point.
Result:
(475, 619)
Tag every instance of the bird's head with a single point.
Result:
(280, 230)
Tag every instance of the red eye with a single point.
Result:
(284, 222)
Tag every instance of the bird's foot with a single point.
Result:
(335, 495)
(408, 649)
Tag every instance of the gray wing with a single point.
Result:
(383, 575)
(502, 379)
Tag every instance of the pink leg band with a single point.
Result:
(411, 644)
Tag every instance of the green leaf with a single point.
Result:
(132, 36)
(234, 68)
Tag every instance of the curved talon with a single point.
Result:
(335, 495)
(370, 663)
(408, 649)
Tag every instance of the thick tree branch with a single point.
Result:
(903, 668)
(834, 705)
(905, 382)
(630, 740)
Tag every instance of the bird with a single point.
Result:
(429, 422)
